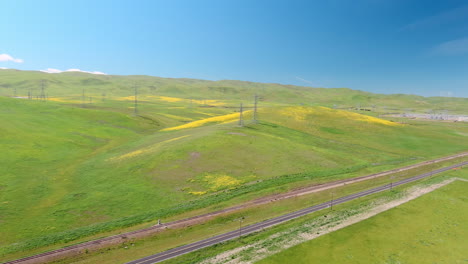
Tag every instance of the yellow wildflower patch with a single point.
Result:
(209, 102)
(197, 193)
(220, 181)
(170, 99)
(139, 97)
(216, 119)
(176, 99)
(145, 150)
(359, 117)
(298, 113)
(301, 114)
(62, 100)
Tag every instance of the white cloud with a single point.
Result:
(3, 68)
(6, 57)
(78, 70)
(50, 70)
(453, 47)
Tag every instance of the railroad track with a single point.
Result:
(277, 220)
(79, 248)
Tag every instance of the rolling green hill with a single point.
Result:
(69, 86)
(69, 170)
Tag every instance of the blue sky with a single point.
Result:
(382, 46)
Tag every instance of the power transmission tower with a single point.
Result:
(241, 117)
(255, 116)
(42, 96)
(135, 109)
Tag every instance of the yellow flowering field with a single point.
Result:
(214, 183)
(216, 119)
(171, 99)
(197, 193)
(220, 181)
(298, 113)
(175, 99)
(302, 113)
(359, 117)
(63, 100)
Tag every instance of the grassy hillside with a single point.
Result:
(69, 86)
(427, 230)
(69, 170)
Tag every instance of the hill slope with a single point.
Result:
(93, 169)
(70, 86)
(73, 166)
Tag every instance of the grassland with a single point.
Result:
(289, 231)
(429, 229)
(69, 86)
(70, 170)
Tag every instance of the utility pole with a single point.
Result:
(14, 93)
(240, 226)
(255, 116)
(391, 182)
(29, 94)
(241, 117)
(135, 109)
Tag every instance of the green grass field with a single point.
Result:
(69, 86)
(68, 171)
(430, 229)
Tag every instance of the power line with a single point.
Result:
(42, 95)
(255, 115)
